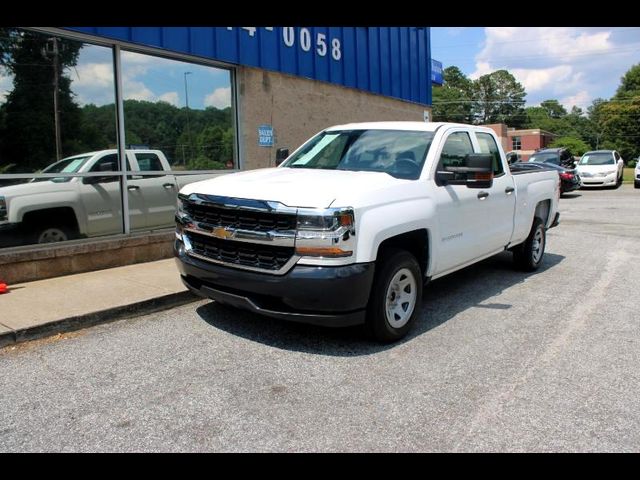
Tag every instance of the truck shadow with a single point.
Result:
(443, 299)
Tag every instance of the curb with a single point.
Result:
(78, 322)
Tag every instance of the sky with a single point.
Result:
(573, 65)
(144, 77)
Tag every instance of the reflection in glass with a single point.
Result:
(179, 108)
(57, 115)
(56, 99)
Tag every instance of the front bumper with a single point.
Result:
(328, 296)
(607, 181)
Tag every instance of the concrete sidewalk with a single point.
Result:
(56, 305)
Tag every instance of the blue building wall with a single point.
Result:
(390, 61)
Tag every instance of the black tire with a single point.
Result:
(52, 234)
(395, 266)
(530, 254)
(619, 182)
(636, 184)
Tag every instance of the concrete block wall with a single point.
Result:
(298, 108)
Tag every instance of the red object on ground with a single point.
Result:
(3, 288)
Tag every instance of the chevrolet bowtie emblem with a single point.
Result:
(222, 232)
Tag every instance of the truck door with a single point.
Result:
(158, 190)
(102, 201)
(501, 201)
(462, 217)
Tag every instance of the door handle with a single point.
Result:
(509, 190)
(168, 185)
(483, 195)
(133, 187)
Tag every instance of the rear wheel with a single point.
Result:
(528, 256)
(395, 296)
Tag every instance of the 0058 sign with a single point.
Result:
(303, 36)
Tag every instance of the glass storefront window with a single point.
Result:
(182, 109)
(57, 109)
(60, 176)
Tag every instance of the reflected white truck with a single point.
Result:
(352, 225)
(57, 209)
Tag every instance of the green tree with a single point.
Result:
(499, 98)
(37, 64)
(576, 146)
(453, 101)
(554, 108)
(629, 84)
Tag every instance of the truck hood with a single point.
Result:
(33, 188)
(296, 187)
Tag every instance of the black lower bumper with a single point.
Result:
(328, 296)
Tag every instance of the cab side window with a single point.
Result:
(149, 162)
(488, 145)
(108, 163)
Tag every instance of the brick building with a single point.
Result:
(525, 141)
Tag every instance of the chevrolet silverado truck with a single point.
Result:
(351, 225)
(55, 209)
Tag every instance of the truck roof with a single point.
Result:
(112, 150)
(402, 125)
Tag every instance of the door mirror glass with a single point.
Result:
(476, 172)
(281, 155)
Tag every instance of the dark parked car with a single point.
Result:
(555, 156)
(569, 178)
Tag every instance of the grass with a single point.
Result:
(627, 176)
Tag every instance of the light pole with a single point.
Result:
(186, 99)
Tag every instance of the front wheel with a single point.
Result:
(528, 256)
(52, 234)
(395, 296)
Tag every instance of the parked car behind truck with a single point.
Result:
(63, 208)
(601, 168)
(352, 225)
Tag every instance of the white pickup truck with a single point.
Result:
(352, 225)
(62, 208)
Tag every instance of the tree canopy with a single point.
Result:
(498, 98)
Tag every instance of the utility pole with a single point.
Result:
(186, 98)
(56, 110)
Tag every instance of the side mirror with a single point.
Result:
(477, 172)
(281, 155)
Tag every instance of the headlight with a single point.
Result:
(180, 216)
(325, 233)
(609, 172)
(180, 205)
(3, 209)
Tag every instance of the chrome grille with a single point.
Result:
(215, 216)
(264, 257)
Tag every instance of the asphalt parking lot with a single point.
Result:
(499, 361)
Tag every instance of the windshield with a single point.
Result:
(66, 165)
(545, 158)
(603, 158)
(400, 153)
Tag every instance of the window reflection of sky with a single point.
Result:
(144, 77)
